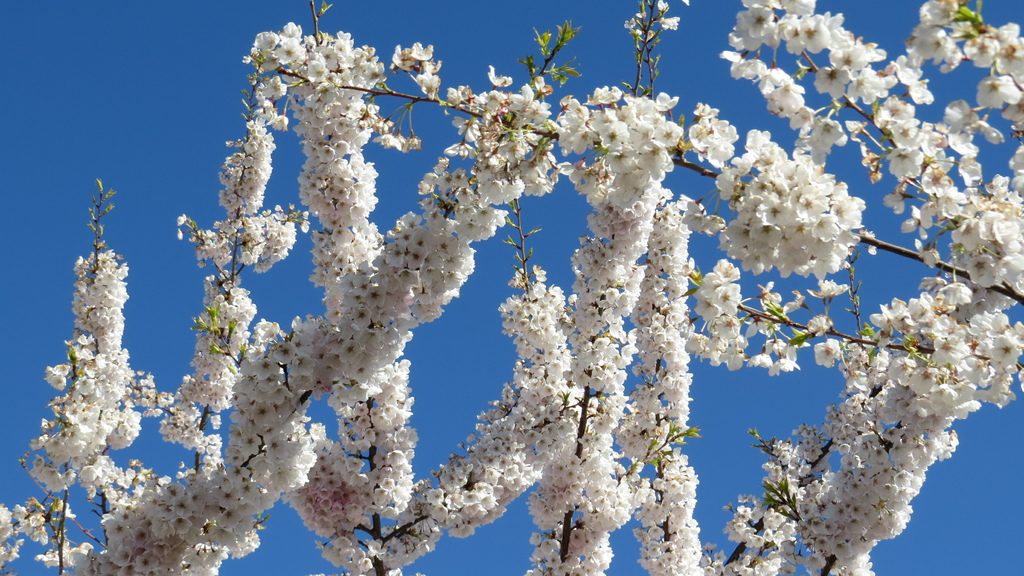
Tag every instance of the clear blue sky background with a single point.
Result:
(143, 95)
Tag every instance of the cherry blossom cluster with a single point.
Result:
(637, 139)
(940, 354)
(919, 154)
(522, 431)
(766, 529)
(101, 409)
(98, 408)
(656, 422)
(379, 287)
(790, 215)
(931, 369)
(248, 236)
(9, 528)
(340, 494)
(582, 487)
(729, 324)
(192, 525)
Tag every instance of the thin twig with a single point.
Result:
(316, 20)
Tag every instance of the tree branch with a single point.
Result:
(1003, 289)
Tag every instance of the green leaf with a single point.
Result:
(543, 40)
(531, 68)
(566, 32)
(965, 14)
(775, 310)
(799, 338)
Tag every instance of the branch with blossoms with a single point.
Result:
(928, 258)
(868, 239)
(918, 154)
(933, 355)
(248, 236)
(99, 412)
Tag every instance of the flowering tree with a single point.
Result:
(594, 422)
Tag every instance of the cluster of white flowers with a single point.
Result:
(973, 356)
(581, 487)
(804, 32)
(885, 451)
(938, 357)
(248, 236)
(918, 153)
(9, 545)
(655, 426)
(357, 489)
(766, 529)
(637, 141)
(718, 300)
(98, 408)
(790, 215)
(519, 435)
(723, 338)
(526, 438)
(181, 529)
(378, 288)
(711, 137)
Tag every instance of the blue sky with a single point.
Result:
(144, 95)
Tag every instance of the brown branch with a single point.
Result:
(385, 92)
(741, 547)
(758, 314)
(563, 546)
(824, 452)
(679, 161)
(644, 46)
(316, 20)
(830, 563)
(1003, 289)
(563, 551)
